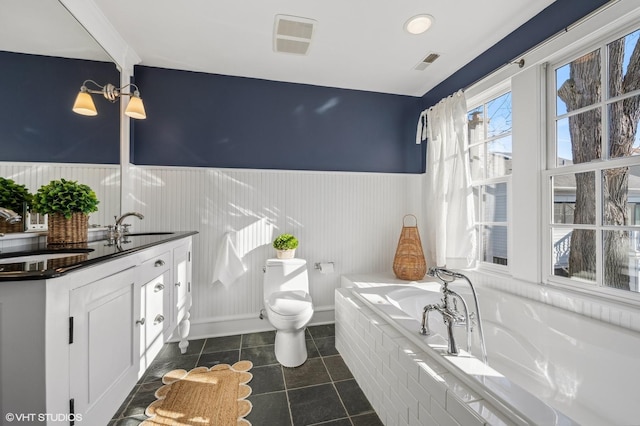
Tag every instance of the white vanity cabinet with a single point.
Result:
(76, 345)
(102, 344)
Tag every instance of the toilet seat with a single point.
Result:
(289, 303)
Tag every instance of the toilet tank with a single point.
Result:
(285, 275)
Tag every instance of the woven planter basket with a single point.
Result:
(68, 231)
(409, 263)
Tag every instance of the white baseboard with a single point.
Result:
(243, 324)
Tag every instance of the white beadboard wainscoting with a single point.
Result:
(104, 179)
(351, 219)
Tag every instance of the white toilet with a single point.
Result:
(289, 308)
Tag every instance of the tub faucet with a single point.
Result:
(9, 215)
(453, 316)
(448, 308)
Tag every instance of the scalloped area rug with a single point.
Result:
(203, 396)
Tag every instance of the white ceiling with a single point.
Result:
(358, 44)
(45, 28)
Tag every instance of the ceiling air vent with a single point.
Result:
(292, 34)
(428, 60)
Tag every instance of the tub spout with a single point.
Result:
(424, 329)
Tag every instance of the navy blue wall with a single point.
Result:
(208, 120)
(555, 18)
(36, 121)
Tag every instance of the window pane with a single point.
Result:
(624, 138)
(579, 138)
(574, 253)
(499, 158)
(563, 212)
(494, 245)
(495, 203)
(620, 54)
(476, 125)
(621, 259)
(578, 83)
(476, 158)
(499, 115)
(579, 190)
(476, 204)
(621, 191)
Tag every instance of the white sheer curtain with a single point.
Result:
(450, 237)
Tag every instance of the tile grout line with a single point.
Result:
(201, 350)
(333, 384)
(286, 394)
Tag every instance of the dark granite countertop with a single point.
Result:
(75, 256)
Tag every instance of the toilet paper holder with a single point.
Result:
(324, 267)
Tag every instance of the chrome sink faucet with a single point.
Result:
(9, 215)
(119, 229)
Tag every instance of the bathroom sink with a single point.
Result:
(41, 256)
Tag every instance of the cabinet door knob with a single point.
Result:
(158, 287)
(159, 262)
(178, 284)
(159, 318)
(140, 321)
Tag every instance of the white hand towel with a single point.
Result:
(228, 266)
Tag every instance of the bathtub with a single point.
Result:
(546, 366)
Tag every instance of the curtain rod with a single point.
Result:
(521, 62)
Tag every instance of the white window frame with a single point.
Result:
(472, 103)
(596, 288)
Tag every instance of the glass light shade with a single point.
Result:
(84, 105)
(418, 24)
(135, 109)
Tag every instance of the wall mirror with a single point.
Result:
(46, 54)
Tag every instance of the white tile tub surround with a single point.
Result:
(405, 385)
(549, 362)
(352, 219)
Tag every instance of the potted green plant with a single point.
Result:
(13, 196)
(285, 245)
(68, 204)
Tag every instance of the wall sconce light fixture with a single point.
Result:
(84, 103)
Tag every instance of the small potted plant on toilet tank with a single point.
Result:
(285, 245)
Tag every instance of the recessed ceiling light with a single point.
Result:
(418, 24)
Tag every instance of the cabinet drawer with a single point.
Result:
(154, 266)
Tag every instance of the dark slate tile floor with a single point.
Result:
(321, 391)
